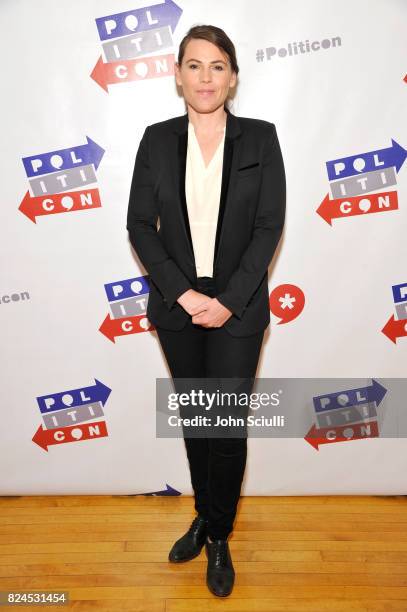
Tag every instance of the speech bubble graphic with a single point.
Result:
(286, 302)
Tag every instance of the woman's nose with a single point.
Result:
(206, 74)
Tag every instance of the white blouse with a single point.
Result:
(202, 190)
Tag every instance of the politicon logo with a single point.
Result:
(128, 301)
(72, 416)
(397, 327)
(353, 180)
(343, 416)
(59, 180)
(133, 43)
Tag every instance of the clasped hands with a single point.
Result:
(205, 311)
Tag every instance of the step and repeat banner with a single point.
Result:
(80, 360)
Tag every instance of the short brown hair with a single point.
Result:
(214, 35)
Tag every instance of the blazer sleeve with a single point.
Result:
(142, 219)
(267, 230)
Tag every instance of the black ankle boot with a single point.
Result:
(220, 575)
(190, 544)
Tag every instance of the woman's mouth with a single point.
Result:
(205, 92)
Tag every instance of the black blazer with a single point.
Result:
(250, 223)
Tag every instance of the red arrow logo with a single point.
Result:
(51, 204)
(360, 205)
(111, 328)
(75, 433)
(137, 69)
(330, 435)
(395, 328)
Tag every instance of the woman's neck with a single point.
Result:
(208, 123)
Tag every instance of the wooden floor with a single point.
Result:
(314, 554)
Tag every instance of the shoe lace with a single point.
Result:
(195, 525)
(220, 552)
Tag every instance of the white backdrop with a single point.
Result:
(344, 97)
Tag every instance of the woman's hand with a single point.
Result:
(205, 311)
(193, 301)
(212, 314)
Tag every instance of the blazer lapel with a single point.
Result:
(227, 164)
(182, 163)
(229, 155)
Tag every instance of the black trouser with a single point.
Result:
(217, 465)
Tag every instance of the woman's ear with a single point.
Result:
(177, 74)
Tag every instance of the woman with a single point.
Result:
(216, 182)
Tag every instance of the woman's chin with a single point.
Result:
(206, 105)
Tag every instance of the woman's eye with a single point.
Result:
(216, 67)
